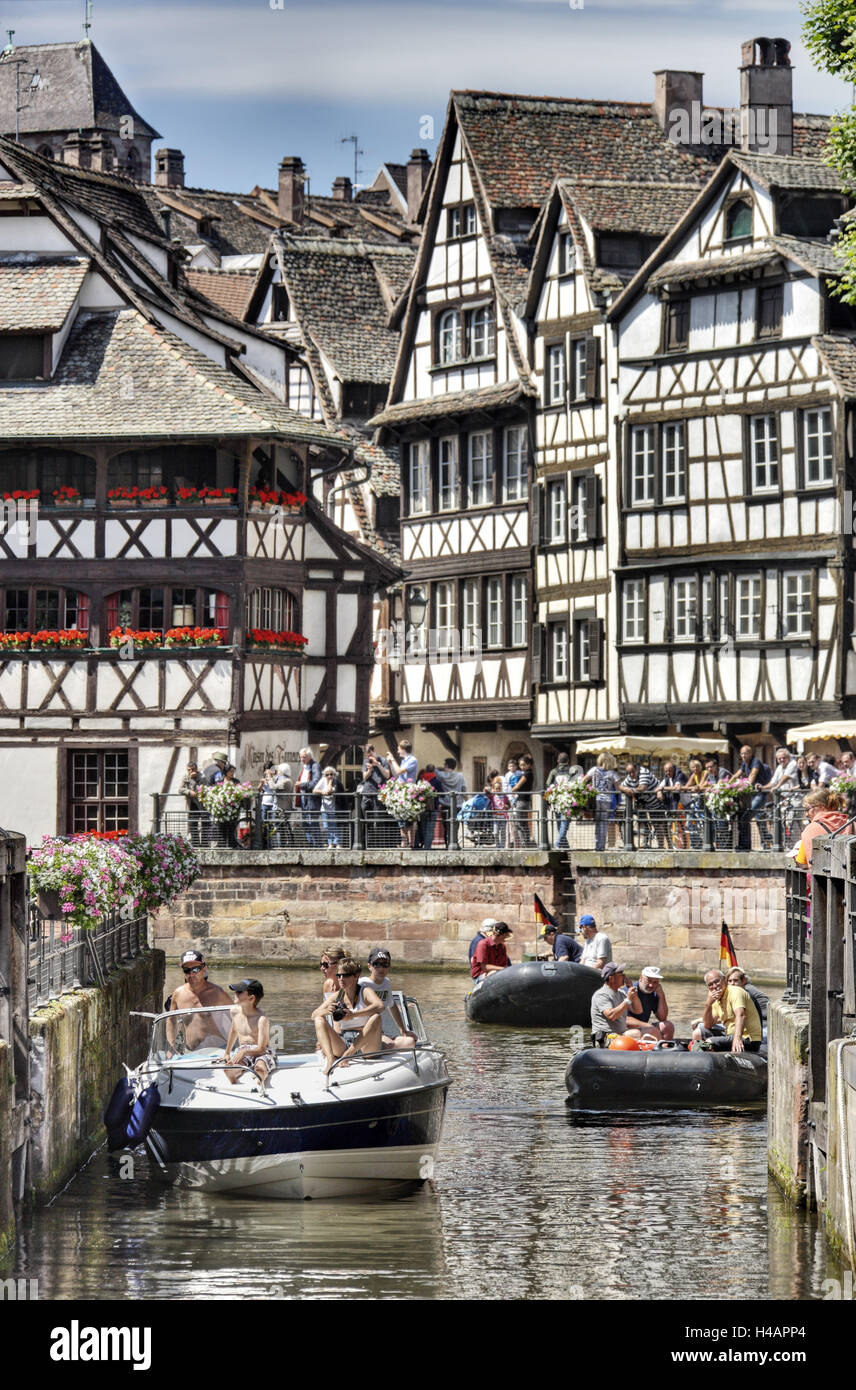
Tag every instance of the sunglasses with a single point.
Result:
(193, 969)
(345, 974)
(325, 965)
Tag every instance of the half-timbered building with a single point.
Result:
(141, 425)
(734, 580)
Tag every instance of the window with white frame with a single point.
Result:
(493, 601)
(643, 463)
(674, 463)
(555, 375)
(557, 651)
(482, 332)
(481, 469)
(797, 615)
(684, 610)
(817, 445)
(556, 511)
(583, 495)
(518, 610)
(451, 337)
(420, 477)
(271, 609)
(764, 446)
(448, 473)
(461, 221)
(708, 608)
(516, 468)
(582, 650)
(444, 614)
(567, 254)
(747, 593)
(578, 370)
(471, 611)
(633, 615)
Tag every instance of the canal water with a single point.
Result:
(528, 1201)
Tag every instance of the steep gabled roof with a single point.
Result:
(228, 289)
(839, 356)
(77, 91)
(37, 293)
(787, 171)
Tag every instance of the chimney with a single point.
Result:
(418, 171)
(169, 169)
(102, 156)
(677, 92)
(343, 190)
(291, 179)
(766, 97)
(77, 150)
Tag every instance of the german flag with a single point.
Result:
(727, 953)
(543, 918)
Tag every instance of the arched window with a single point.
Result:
(134, 164)
(738, 221)
(482, 332)
(159, 609)
(451, 337)
(47, 470)
(174, 466)
(46, 151)
(274, 610)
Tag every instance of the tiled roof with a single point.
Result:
(121, 377)
(521, 144)
(337, 300)
(455, 403)
(231, 232)
(839, 355)
(680, 272)
(77, 91)
(36, 295)
(788, 172)
(627, 205)
(107, 197)
(385, 465)
(811, 255)
(228, 289)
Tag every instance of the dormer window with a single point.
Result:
(624, 252)
(482, 334)
(451, 337)
(461, 221)
(24, 357)
(738, 221)
(465, 335)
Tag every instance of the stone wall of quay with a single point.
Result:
(788, 1099)
(7, 1105)
(283, 905)
(77, 1046)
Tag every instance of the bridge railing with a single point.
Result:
(61, 958)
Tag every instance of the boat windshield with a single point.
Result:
(199, 1033)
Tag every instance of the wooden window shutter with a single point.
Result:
(221, 613)
(537, 652)
(112, 611)
(593, 507)
(82, 612)
(595, 637)
(537, 517)
(592, 367)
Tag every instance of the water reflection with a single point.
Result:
(529, 1200)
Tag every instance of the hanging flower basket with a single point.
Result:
(225, 801)
(83, 879)
(168, 866)
(725, 799)
(407, 801)
(569, 799)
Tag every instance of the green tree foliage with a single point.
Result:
(829, 34)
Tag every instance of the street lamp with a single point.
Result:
(417, 607)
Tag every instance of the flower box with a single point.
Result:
(266, 640)
(193, 637)
(14, 641)
(119, 636)
(58, 641)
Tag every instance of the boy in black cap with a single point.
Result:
(248, 1044)
(392, 1024)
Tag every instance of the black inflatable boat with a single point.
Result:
(536, 994)
(599, 1078)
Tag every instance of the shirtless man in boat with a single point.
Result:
(200, 1030)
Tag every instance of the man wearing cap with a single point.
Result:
(481, 935)
(197, 992)
(651, 1008)
(216, 769)
(564, 947)
(393, 1030)
(598, 947)
(611, 1011)
(490, 955)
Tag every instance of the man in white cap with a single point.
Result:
(651, 1008)
(486, 927)
(197, 992)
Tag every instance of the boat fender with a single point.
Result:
(118, 1113)
(142, 1114)
(624, 1044)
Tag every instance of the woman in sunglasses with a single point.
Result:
(348, 1021)
(329, 963)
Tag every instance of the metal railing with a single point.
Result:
(797, 934)
(61, 958)
(289, 820)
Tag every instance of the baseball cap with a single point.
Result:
(652, 971)
(251, 986)
(612, 969)
(548, 931)
(378, 956)
(489, 922)
(193, 958)
(502, 929)
(587, 920)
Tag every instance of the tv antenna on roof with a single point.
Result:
(21, 70)
(87, 21)
(355, 141)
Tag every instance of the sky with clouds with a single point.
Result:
(237, 84)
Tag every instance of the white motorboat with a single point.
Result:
(369, 1128)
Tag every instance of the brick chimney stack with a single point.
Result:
(676, 91)
(169, 169)
(418, 171)
(766, 97)
(343, 189)
(291, 179)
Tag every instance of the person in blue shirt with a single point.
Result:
(564, 947)
(484, 930)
